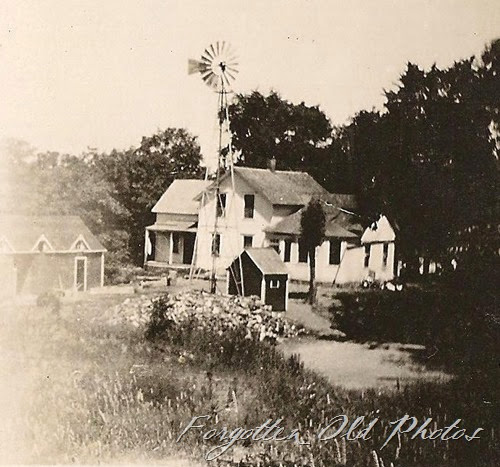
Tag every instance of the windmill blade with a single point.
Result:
(228, 73)
(214, 54)
(210, 55)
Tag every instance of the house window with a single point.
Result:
(274, 243)
(385, 254)
(215, 244)
(302, 252)
(80, 245)
(288, 251)
(221, 205)
(247, 241)
(43, 246)
(274, 284)
(367, 255)
(334, 257)
(249, 206)
(175, 242)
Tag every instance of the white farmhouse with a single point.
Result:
(259, 208)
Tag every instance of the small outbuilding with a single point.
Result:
(260, 272)
(42, 253)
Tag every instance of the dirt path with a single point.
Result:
(353, 365)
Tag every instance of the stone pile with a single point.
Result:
(215, 312)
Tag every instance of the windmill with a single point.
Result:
(218, 69)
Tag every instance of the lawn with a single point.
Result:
(83, 388)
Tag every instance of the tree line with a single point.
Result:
(428, 160)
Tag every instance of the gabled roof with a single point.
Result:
(380, 231)
(267, 260)
(280, 186)
(179, 198)
(339, 222)
(23, 233)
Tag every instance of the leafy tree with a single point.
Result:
(428, 161)
(312, 234)
(298, 136)
(140, 176)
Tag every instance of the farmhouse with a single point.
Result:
(262, 208)
(43, 253)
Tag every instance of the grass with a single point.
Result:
(100, 393)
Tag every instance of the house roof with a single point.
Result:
(380, 231)
(22, 233)
(280, 186)
(174, 226)
(179, 198)
(339, 223)
(267, 260)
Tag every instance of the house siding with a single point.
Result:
(38, 273)
(233, 226)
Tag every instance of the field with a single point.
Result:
(81, 388)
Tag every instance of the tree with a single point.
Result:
(428, 161)
(312, 234)
(298, 136)
(140, 176)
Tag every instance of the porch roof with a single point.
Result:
(178, 226)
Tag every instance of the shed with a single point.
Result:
(259, 271)
(42, 253)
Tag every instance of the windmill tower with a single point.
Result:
(218, 68)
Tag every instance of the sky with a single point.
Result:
(76, 74)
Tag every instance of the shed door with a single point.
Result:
(81, 274)
(276, 292)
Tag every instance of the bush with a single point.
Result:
(459, 327)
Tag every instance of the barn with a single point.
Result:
(259, 271)
(43, 253)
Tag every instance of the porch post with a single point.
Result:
(146, 243)
(171, 250)
(102, 269)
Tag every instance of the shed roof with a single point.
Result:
(61, 232)
(179, 198)
(267, 260)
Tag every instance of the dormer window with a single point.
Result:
(80, 245)
(42, 245)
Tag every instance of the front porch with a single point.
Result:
(169, 246)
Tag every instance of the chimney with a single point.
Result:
(271, 164)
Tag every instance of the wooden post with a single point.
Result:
(146, 242)
(171, 249)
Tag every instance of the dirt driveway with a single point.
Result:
(353, 365)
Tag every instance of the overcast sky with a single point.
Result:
(103, 73)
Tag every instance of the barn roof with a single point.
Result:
(22, 233)
(179, 198)
(267, 260)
